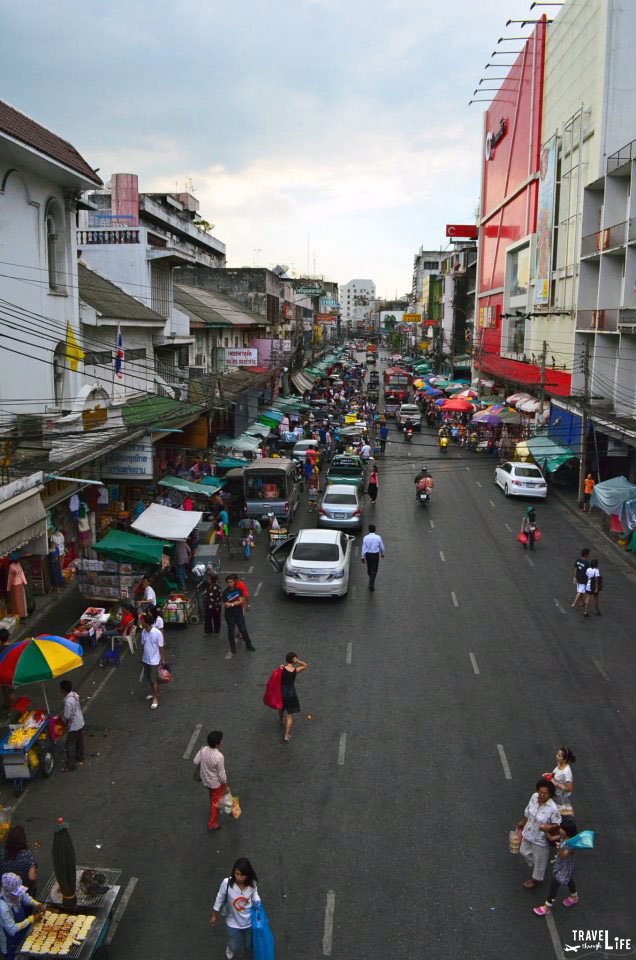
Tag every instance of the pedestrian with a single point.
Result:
(588, 488)
(212, 605)
(17, 858)
(372, 550)
(233, 602)
(291, 667)
(581, 565)
(149, 595)
(562, 870)
(365, 452)
(540, 815)
(593, 587)
(372, 488)
(211, 764)
(237, 895)
(18, 912)
(182, 557)
(151, 646)
(529, 527)
(74, 723)
(384, 433)
(562, 777)
(312, 497)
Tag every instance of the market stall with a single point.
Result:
(127, 556)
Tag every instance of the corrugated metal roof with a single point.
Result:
(212, 308)
(110, 301)
(26, 130)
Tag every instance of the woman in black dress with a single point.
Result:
(291, 667)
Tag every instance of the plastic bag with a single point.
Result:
(522, 538)
(226, 803)
(164, 673)
(263, 945)
(236, 808)
(581, 841)
(537, 536)
(273, 696)
(514, 841)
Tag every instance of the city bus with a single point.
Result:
(397, 383)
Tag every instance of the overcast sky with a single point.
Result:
(342, 120)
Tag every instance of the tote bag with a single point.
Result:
(262, 937)
(273, 696)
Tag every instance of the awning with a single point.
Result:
(228, 463)
(558, 382)
(547, 454)
(301, 382)
(130, 547)
(257, 430)
(238, 443)
(185, 486)
(22, 519)
(215, 483)
(610, 495)
(166, 522)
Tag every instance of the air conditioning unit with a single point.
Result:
(35, 430)
(197, 372)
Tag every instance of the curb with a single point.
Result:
(624, 559)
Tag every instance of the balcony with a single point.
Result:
(597, 321)
(111, 235)
(611, 238)
(627, 320)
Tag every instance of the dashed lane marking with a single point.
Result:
(191, 742)
(327, 938)
(258, 588)
(554, 936)
(251, 570)
(473, 660)
(492, 504)
(349, 656)
(478, 483)
(504, 762)
(601, 669)
(455, 600)
(508, 527)
(530, 561)
(442, 557)
(342, 746)
(432, 524)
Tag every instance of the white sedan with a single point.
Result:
(314, 563)
(521, 480)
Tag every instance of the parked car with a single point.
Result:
(341, 507)
(521, 480)
(346, 469)
(314, 563)
(409, 411)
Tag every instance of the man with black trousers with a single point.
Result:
(372, 550)
(233, 602)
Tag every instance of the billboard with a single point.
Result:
(241, 357)
(412, 318)
(131, 462)
(545, 223)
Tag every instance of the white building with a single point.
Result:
(426, 263)
(41, 180)
(356, 302)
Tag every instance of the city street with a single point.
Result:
(435, 704)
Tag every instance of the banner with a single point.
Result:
(241, 357)
(545, 223)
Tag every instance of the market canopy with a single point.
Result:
(128, 547)
(166, 522)
(548, 454)
(246, 444)
(610, 495)
(215, 483)
(185, 486)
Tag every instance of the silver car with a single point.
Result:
(314, 563)
(341, 507)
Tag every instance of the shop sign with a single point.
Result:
(412, 318)
(289, 311)
(308, 325)
(328, 303)
(545, 223)
(492, 139)
(286, 346)
(241, 357)
(133, 462)
(466, 230)
(325, 318)
(488, 316)
(309, 291)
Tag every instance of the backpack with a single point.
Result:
(273, 696)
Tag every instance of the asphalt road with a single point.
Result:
(435, 703)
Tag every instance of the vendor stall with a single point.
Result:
(126, 557)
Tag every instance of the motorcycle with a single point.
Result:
(408, 434)
(422, 497)
(443, 444)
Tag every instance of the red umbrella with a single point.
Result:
(458, 405)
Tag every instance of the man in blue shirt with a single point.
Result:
(384, 432)
(233, 602)
(372, 550)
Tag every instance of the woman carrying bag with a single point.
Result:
(210, 770)
(236, 901)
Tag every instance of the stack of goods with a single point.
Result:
(58, 933)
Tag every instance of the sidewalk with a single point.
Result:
(592, 525)
(44, 606)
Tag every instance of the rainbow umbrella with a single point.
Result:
(38, 658)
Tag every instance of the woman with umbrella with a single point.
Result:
(18, 912)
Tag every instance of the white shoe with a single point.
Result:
(154, 704)
(228, 656)
(150, 697)
(229, 953)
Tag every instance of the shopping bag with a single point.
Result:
(236, 808)
(514, 840)
(226, 803)
(522, 538)
(263, 946)
(164, 673)
(537, 536)
(581, 841)
(273, 696)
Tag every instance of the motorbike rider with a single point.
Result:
(408, 428)
(423, 480)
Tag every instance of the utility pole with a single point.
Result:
(584, 421)
(544, 354)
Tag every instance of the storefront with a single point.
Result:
(23, 549)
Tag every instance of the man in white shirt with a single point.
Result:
(74, 723)
(372, 550)
(149, 594)
(152, 646)
(365, 453)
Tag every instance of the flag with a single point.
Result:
(74, 352)
(119, 355)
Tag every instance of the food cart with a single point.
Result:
(28, 748)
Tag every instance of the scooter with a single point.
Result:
(422, 497)
(408, 434)
(443, 444)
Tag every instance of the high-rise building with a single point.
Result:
(356, 298)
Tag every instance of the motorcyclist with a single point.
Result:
(408, 427)
(423, 480)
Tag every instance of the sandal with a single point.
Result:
(543, 910)
(530, 884)
(571, 901)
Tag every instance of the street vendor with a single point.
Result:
(18, 912)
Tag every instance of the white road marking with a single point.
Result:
(258, 588)
(558, 606)
(508, 527)
(601, 669)
(349, 653)
(491, 504)
(327, 938)
(119, 912)
(409, 453)
(432, 524)
(468, 468)
(474, 663)
(251, 570)
(191, 742)
(455, 600)
(342, 746)
(530, 561)
(442, 557)
(504, 762)
(478, 483)
(554, 936)
(101, 686)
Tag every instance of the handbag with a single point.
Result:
(273, 696)
(224, 905)
(263, 945)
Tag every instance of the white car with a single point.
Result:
(314, 563)
(521, 480)
(409, 412)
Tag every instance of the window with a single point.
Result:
(59, 366)
(137, 354)
(430, 265)
(236, 341)
(516, 333)
(98, 358)
(316, 552)
(51, 252)
(55, 247)
(519, 272)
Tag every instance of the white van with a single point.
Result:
(409, 411)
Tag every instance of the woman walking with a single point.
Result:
(237, 896)
(562, 777)
(372, 488)
(212, 605)
(211, 764)
(529, 526)
(540, 817)
(291, 667)
(562, 871)
(593, 587)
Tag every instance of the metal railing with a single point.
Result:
(607, 239)
(621, 157)
(115, 235)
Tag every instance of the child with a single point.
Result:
(562, 871)
(312, 496)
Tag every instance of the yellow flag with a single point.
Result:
(74, 352)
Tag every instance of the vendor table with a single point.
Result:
(26, 749)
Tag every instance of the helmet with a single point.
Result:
(424, 468)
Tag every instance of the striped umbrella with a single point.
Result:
(38, 658)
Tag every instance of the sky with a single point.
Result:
(332, 136)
